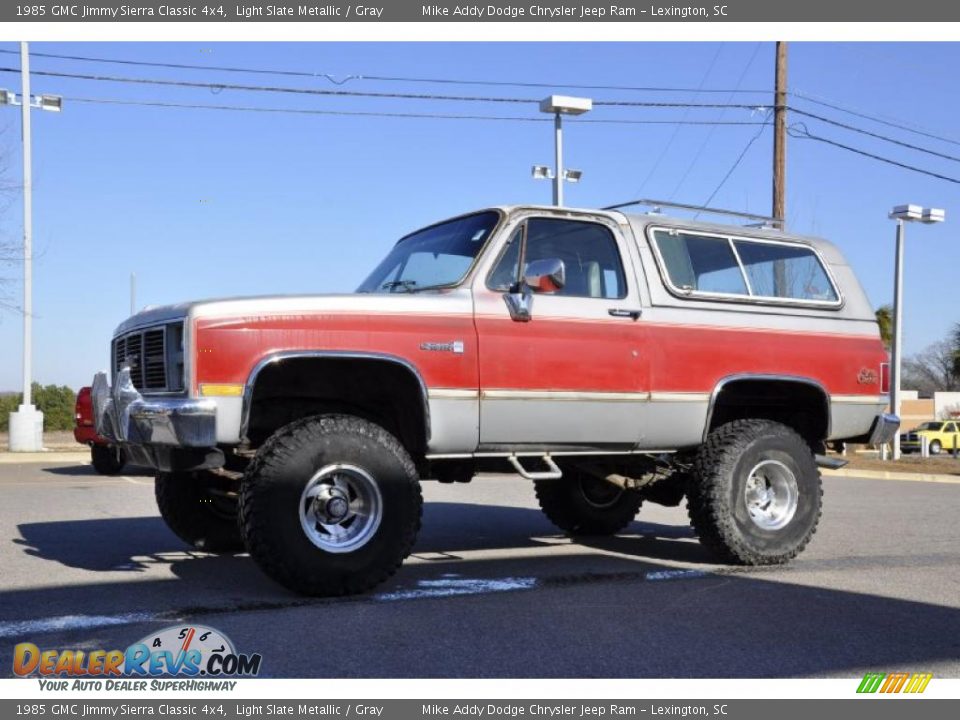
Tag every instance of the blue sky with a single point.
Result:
(204, 203)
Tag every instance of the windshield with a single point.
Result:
(931, 426)
(436, 256)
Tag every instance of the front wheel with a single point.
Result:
(581, 504)
(755, 496)
(935, 447)
(331, 505)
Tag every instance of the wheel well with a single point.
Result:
(382, 391)
(802, 405)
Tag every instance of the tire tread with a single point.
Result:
(257, 481)
(707, 505)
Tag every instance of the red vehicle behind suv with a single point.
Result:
(107, 459)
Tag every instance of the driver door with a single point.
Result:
(573, 376)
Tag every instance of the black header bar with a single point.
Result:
(628, 11)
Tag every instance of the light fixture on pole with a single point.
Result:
(903, 214)
(26, 423)
(541, 172)
(558, 106)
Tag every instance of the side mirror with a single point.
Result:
(545, 276)
(542, 276)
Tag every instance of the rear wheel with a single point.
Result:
(755, 496)
(107, 459)
(199, 509)
(331, 505)
(582, 504)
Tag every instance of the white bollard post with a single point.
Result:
(924, 446)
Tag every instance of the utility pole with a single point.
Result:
(780, 134)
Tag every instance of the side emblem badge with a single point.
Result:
(456, 347)
(868, 377)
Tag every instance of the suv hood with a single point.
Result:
(449, 300)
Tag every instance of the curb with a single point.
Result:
(46, 456)
(885, 475)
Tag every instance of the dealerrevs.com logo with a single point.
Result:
(189, 651)
(898, 682)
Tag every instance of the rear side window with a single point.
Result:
(716, 265)
(785, 271)
(701, 263)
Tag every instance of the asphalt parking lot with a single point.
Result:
(493, 590)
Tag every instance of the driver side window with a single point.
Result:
(588, 251)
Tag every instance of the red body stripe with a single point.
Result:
(547, 353)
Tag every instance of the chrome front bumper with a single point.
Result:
(884, 429)
(163, 432)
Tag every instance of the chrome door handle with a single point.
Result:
(624, 312)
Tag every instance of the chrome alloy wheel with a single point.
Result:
(771, 495)
(340, 508)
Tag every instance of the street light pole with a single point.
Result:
(26, 424)
(557, 160)
(895, 348)
(559, 105)
(903, 214)
(27, 227)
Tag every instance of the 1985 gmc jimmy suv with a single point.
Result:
(610, 358)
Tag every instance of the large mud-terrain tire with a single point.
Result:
(196, 513)
(581, 504)
(755, 496)
(107, 459)
(330, 505)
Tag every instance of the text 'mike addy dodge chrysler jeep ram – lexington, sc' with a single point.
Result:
(610, 358)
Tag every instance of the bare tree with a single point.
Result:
(11, 254)
(932, 369)
(955, 342)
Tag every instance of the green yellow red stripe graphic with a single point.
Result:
(898, 682)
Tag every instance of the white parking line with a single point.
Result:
(447, 587)
(674, 574)
(21, 628)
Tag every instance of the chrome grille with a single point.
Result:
(154, 364)
(154, 356)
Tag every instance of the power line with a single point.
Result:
(349, 113)
(736, 164)
(709, 136)
(799, 130)
(885, 138)
(676, 130)
(219, 87)
(890, 122)
(901, 125)
(380, 78)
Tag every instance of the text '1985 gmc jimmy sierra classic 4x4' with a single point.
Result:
(610, 358)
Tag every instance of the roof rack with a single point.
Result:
(766, 219)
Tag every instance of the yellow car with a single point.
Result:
(942, 435)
